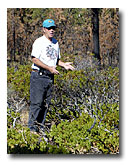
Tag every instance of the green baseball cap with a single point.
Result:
(48, 23)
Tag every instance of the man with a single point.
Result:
(45, 57)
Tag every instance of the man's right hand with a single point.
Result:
(53, 70)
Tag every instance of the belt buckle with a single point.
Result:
(40, 73)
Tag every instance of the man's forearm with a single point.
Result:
(39, 63)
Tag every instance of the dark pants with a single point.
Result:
(40, 97)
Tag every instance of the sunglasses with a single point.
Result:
(51, 28)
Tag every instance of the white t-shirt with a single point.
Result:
(45, 50)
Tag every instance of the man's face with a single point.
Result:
(49, 32)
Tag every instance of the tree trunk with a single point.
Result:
(13, 31)
(95, 32)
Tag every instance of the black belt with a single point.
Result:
(43, 72)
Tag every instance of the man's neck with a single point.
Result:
(50, 39)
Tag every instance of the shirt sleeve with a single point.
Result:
(36, 50)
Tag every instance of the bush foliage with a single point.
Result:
(83, 116)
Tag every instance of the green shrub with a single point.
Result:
(19, 80)
(84, 111)
(20, 140)
(82, 90)
(76, 136)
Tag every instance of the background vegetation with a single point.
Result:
(83, 117)
(74, 32)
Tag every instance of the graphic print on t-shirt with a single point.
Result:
(51, 52)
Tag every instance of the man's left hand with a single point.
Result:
(68, 66)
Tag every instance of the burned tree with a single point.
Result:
(95, 32)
